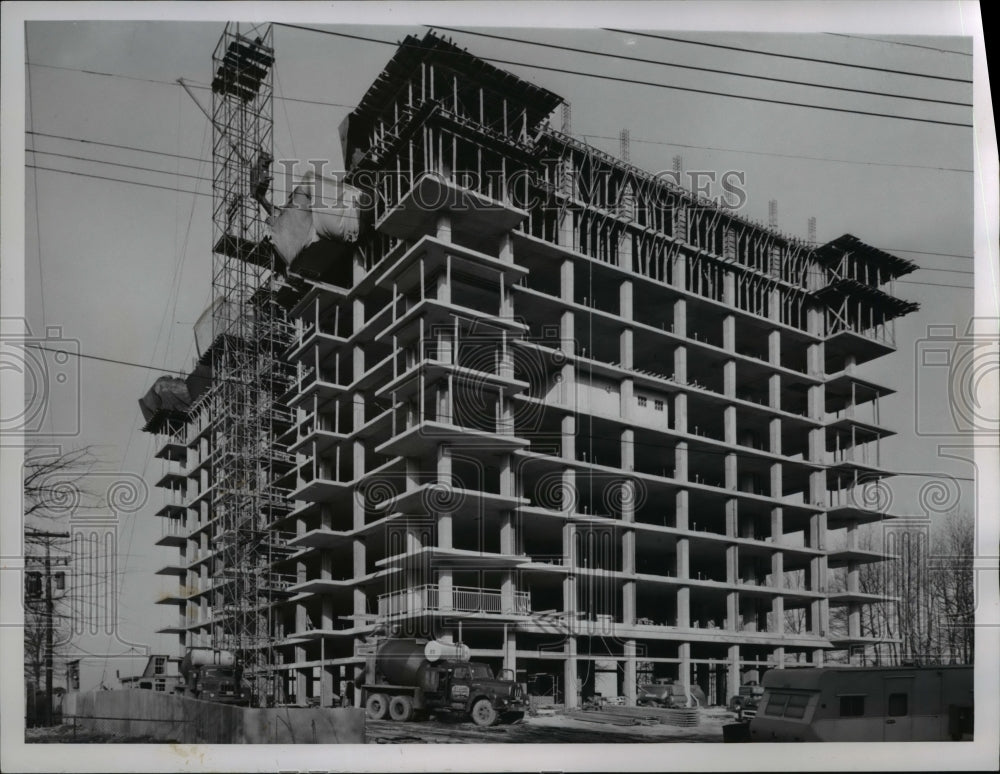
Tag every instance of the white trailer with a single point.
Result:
(865, 704)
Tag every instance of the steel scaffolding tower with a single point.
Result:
(249, 333)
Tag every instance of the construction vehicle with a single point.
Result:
(665, 692)
(746, 700)
(406, 678)
(865, 704)
(213, 675)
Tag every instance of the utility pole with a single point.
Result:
(42, 536)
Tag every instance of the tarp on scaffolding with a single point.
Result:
(318, 208)
(168, 393)
(218, 318)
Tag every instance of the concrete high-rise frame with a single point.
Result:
(595, 427)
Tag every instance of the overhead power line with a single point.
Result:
(743, 50)
(118, 180)
(733, 73)
(119, 164)
(784, 155)
(192, 84)
(652, 84)
(115, 145)
(900, 43)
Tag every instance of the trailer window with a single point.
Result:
(796, 707)
(776, 704)
(897, 704)
(852, 706)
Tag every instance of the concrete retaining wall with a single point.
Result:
(161, 716)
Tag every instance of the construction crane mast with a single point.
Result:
(249, 333)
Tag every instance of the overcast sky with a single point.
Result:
(124, 269)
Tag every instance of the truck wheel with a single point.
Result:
(483, 713)
(377, 706)
(401, 708)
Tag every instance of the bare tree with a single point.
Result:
(53, 487)
(952, 588)
(55, 482)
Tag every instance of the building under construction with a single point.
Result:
(498, 385)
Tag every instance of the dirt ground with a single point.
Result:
(545, 729)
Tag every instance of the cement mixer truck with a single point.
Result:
(407, 678)
(213, 675)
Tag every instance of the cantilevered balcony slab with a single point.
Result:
(843, 389)
(320, 297)
(455, 558)
(438, 498)
(843, 557)
(845, 515)
(345, 585)
(433, 371)
(430, 255)
(173, 598)
(176, 481)
(431, 194)
(427, 434)
(316, 442)
(320, 489)
(172, 541)
(173, 450)
(173, 569)
(305, 348)
(863, 348)
(321, 538)
(443, 312)
(171, 511)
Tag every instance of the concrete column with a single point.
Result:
(568, 438)
(567, 333)
(684, 668)
(629, 687)
(566, 270)
(680, 316)
(729, 327)
(733, 672)
(442, 229)
(628, 603)
(729, 378)
(628, 453)
(570, 680)
(774, 348)
(777, 485)
(510, 650)
(625, 299)
(565, 231)
(778, 569)
(774, 436)
(774, 391)
(507, 546)
(444, 477)
(680, 412)
(853, 620)
(684, 606)
(625, 348)
(681, 509)
(627, 401)
(778, 614)
(506, 251)
(681, 461)
(778, 655)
